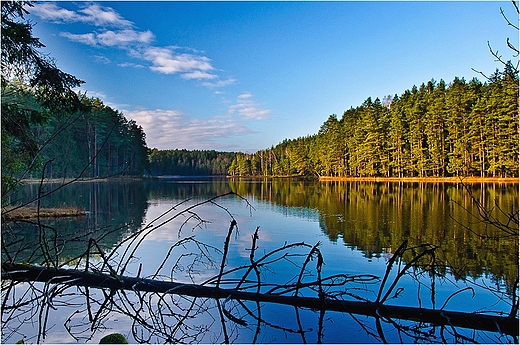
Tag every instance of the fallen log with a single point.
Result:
(25, 272)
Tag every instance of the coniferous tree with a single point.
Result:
(435, 127)
(33, 88)
(397, 139)
(459, 129)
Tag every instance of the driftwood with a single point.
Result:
(25, 272)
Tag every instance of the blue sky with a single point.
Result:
(243, 76)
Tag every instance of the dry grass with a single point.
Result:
(32, 212)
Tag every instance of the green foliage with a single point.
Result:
(22, 60)
(114, 338)
(189, 163)
(99, 142)
(33, 90)
(435, 130)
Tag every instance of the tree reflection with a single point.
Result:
(376, 217)
(231, 301)
(113, 211)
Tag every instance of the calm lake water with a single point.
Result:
(358, 225)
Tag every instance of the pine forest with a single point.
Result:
(89, 140)
(434, 130)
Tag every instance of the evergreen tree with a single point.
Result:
(32, 89)
(435, 127)
(460, 129)
(397, 139)
(331, 147)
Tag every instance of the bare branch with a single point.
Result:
(507, 19)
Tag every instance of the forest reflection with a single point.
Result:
(376, 217)
(114, 210)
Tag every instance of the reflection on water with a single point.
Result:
(113, 210)
(359, 225)
(377, 217)
(374, 218)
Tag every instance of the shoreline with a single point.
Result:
(87, 179)
(469, 179)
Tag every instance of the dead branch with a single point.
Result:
(22, 272)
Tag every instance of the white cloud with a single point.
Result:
(188, 63)
(102, 59)
(130, 64)
(101, 16)
(89, 39)
(124, 37)
(170, 129)
(50, 11)
(199, 75)
(220, 83)
(248, 108)
(245, 95)
(166, 61)
(93, 14)
(111, 38)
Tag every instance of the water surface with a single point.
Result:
(358, 225)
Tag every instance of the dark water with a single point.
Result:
(358, 225)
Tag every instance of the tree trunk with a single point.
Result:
(24, 272)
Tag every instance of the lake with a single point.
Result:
(166, 229)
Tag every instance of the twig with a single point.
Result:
(226, 248)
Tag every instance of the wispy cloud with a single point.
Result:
(88, 39)
(246, 107)
(100, 16)
(111, 38)
(50, 11)
(92, 13)
(124, 37)
(199, 75)
(188, 63)
(173, 129)
(167, 61)
(102, 59)
(130, 64)
(220, 83)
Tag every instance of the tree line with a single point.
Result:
(99, 142)
(90, 141)
(434, 130)
(189, 162)
(48, 129)
(94, 140)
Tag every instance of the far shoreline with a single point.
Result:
(469, 179)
